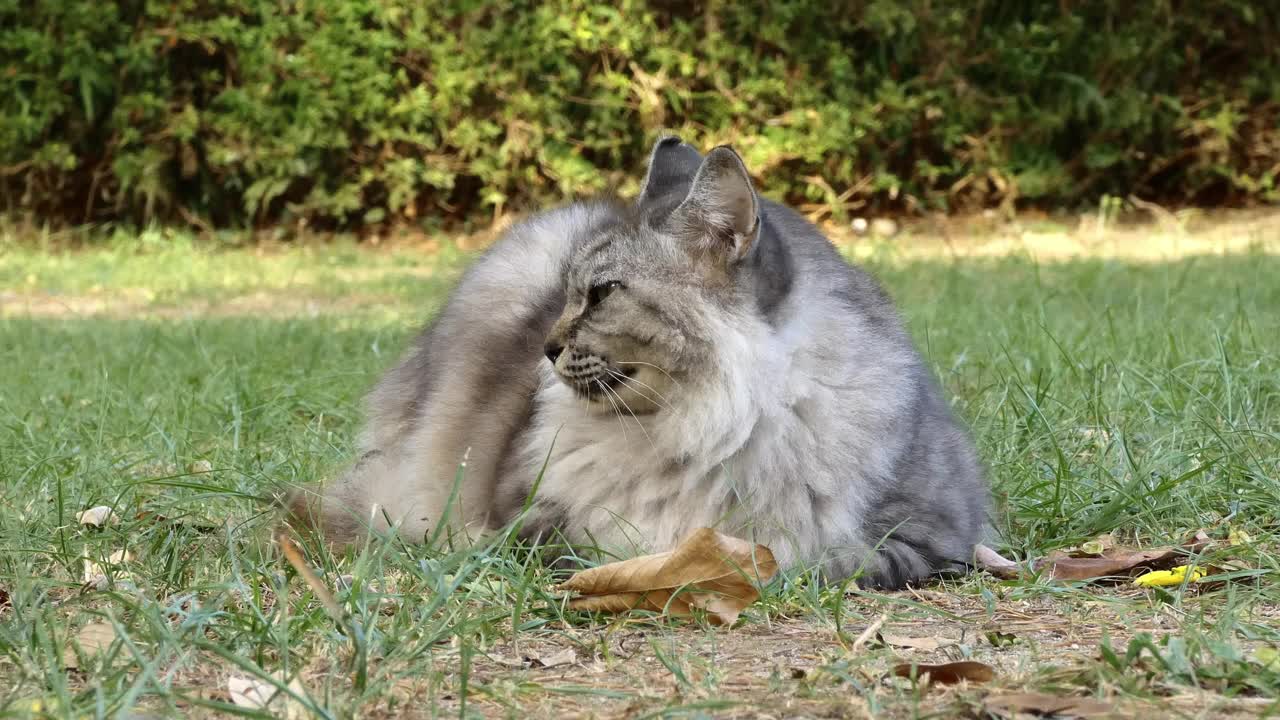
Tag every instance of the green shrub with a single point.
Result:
(349, 112)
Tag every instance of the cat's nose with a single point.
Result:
(553, 351)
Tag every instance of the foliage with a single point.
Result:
(350, 112)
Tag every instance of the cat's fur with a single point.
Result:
(699, 357)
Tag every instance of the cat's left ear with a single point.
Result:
(672, 163)
(721, 213)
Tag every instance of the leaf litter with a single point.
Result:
(1095, 560)
(708, 571)
(258, 694)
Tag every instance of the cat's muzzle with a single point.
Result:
(590, 376)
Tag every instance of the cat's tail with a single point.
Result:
(331, 511)
(311, 511)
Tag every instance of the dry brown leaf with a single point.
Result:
(1107, 561)
(96, 516)
(947, 673)
(91, 640)
(1119, 561)
(911, 643)
(565, 656)
(256, 694)
(709, 570)
(95, 575)
(1018, 704)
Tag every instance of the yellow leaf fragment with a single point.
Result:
(1237, 536)
(1093, 547)
(1268, 658)
(708, 570)
(1166, 578)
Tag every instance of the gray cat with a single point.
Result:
(697, 357)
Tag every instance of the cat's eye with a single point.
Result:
(598, 293)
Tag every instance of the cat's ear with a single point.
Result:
(672, 164)
(721, 212)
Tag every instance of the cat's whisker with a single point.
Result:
(633, 415)
(665, 404)
(621, 420)
(655, 367)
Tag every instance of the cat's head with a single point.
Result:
(653, 299)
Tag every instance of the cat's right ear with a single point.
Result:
(721, 212)
(672, 164)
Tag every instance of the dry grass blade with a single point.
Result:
(299, 563)
(911, 643)
(710, 571)
(867, 634)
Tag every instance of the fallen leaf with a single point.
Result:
(1118, 561)
(96, 516)
(947, 673)
(565, 656)
(1016, 704)
(1238, 536)
(257, 694)
(96, 576)
(89, 641)
(913, 643)
(711, 571)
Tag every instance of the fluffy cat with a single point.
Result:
(697, 357)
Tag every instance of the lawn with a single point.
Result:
(1113, 388)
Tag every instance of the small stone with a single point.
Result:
(201, 466)
(884, 227)
(859, 226)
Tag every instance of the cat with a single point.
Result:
(699, 356)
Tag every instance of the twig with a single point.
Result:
(867, 634)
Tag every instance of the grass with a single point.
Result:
(1138, 397)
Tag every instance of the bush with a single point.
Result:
(349, 112)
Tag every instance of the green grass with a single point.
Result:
(1139, 399)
